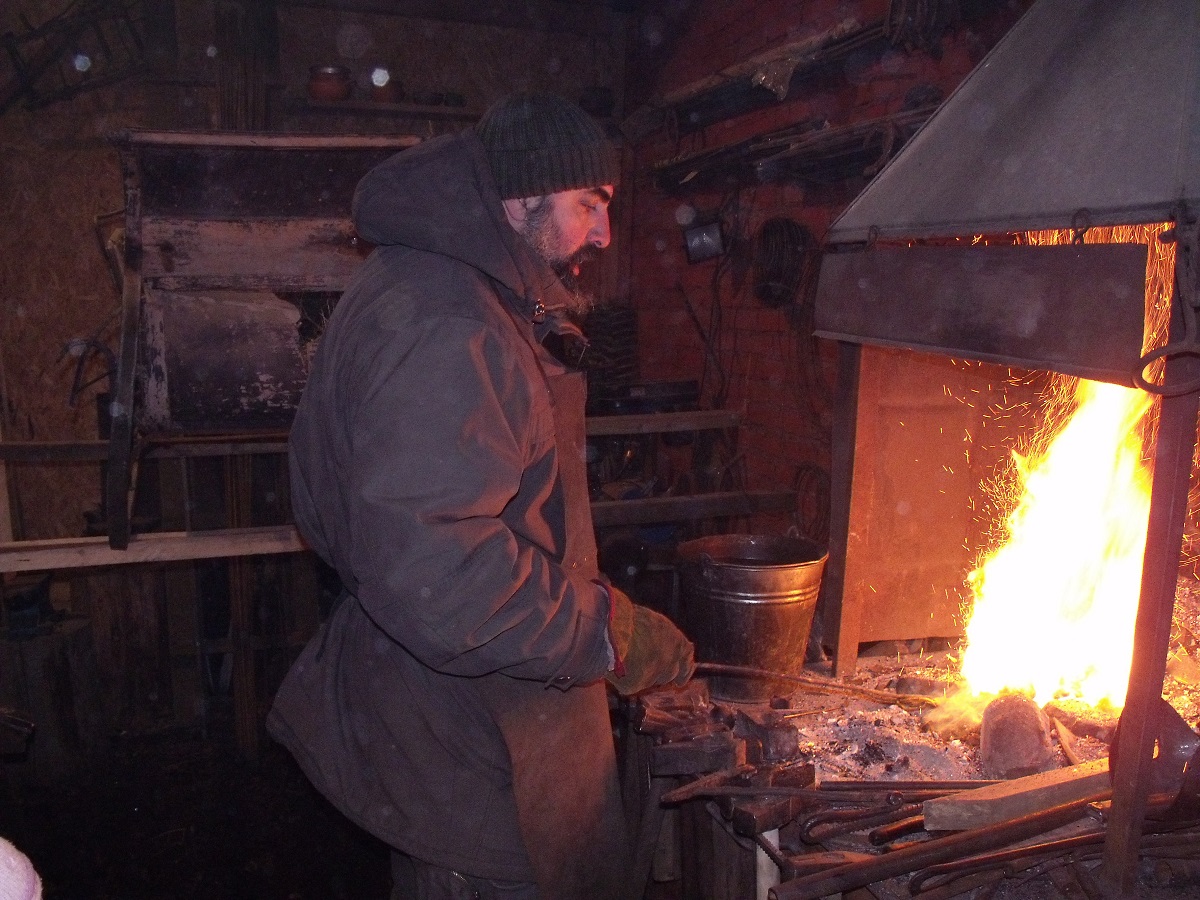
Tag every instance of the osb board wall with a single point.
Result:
(773, 369)
(57, 175)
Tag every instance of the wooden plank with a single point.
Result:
(260, 141)
(120, 479)
(169, 447)
(568, 18)
(6, 521)
(307, 248)
(97, 451)
(688, 508)
(662, 422)
(69, 553)
(1016, 797)
(244, 681)
(333, 283)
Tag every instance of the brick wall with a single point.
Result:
(770, 366)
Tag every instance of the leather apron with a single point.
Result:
(560, 741)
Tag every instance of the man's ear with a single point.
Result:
(517, 211)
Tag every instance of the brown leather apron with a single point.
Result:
(560, 741)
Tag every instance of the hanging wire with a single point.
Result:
(779, 257)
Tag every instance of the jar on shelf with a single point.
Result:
(329, 83)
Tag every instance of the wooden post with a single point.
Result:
(1173, 456)
(119, 479)
(241, 610)
(843, 610)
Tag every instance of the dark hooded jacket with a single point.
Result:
(427, 466)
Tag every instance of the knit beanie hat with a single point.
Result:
(540, 144)
(18, 880)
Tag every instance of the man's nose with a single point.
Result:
(600, 236)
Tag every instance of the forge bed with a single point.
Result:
(851, 733)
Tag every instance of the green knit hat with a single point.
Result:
(540, 144)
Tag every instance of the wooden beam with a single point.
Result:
(120, 478)
(236, 445)
(69, 553)
(269, 141)
(1016, 797)
(570, 18)
(689, 508)
(167, 546)
(661, 423)
(6, 523)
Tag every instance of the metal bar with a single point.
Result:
(844, 611)
(1173, 456)
(925, 853)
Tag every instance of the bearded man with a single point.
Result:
(454, 702)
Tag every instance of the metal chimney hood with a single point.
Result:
(1087, 113)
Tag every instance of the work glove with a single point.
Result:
(649, 649)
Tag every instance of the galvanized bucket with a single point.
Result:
(748, 600)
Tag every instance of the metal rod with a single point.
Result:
(818, 831)
(888, 865)
(887, 833)
(815, 682)
(948, 786)
(1173, 455)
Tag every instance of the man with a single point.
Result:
(454, 703)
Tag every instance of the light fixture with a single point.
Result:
(703, 241)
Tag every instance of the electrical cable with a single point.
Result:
(779, 260)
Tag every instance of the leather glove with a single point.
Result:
(649, 649)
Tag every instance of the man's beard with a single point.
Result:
(543, 234)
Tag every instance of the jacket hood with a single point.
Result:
(440, 197)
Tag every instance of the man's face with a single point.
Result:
(566, 229)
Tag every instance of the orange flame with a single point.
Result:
(1054, 606)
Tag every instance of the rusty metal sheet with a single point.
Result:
(1076, 309)
(930, 432)
(1086, 112)
(219, 362)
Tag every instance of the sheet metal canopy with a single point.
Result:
(1076, 309)
(1085, 105)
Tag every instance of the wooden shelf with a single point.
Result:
(662, 422)
(25, 556)
(375, 108)
(690, 508)
(175, 447)
(163, 546)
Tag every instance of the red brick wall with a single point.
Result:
(762, 350)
